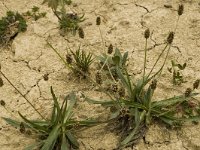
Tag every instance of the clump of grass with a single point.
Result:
(79, 61)
(135, 108)
(56, 132)
(82, 62)
(176, 71)
(35, 13)
(10, 26)
(69, 22)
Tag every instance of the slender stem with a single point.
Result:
(102, 39)
(104, 64)
(22, 95)
(157, 60)
(145, 58)
(160, 70)
(110, 73)
(176, 26)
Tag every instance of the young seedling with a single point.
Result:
(176, 71)
(10, 26)
(35, 14)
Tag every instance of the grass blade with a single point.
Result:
(64, 145)
(12, 122)
(134, 131)
(33, 146)
(50, 141)
(33, 125)
(72, 139)
(171, 101)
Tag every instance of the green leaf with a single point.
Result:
(88, 122)
(12, 122)
(171, 101)
(64, 145)
(134, 131)
(116, 60)
(104, 103)
(52, 138)
(33, 146)
(72, 139)
(118, 53)
(167, 120)
(191, 119)
(125, 81)
(70, 104)
(124, 59)
(56, 105)
(33, 125)
(114, 115)
(148, 97)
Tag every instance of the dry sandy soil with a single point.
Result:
(124, 22)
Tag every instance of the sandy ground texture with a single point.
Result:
(124, 21)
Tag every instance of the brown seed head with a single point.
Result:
(69, 58)
(1, 82)
(121, 92)
(196, 84)
(2, 102)
(153, 84)
(22, 128)
(81, 33)
(146, 33)
(180, 9)
(170, 38)
(188, 92)
(110, 49)
(46, 77)
(98, 21)
(98, 78)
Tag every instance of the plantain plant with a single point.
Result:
(57, 132)
(133, 110)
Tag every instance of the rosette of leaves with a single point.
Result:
(133, 113)
(10, 26)
(176, 71)
(56, 132)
